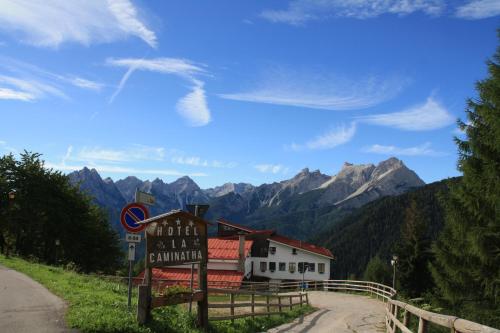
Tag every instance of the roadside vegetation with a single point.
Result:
(96, 304)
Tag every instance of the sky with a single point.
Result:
(233, 91)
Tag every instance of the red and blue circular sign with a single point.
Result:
(131, 215)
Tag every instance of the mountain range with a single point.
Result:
(298, 207)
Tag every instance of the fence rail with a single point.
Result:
(280, 302)
(399, 315)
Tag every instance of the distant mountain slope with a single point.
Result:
(297, 207)
(374, 229)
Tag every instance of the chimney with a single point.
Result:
(241, 254)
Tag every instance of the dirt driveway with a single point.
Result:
(339, 313)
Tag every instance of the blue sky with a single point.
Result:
(233, 91)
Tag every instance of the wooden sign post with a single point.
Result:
(172, 239)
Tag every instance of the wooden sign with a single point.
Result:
(175, 240)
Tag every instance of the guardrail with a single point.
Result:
(399, 315)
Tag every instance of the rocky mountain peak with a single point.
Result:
(184, 184)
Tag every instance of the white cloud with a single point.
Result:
(421, 150)
(331, 139)
(301, 11)
(193, 107)
(85, 84)
(198, 161)
(94, 155)
(50, 23)
(28, 89)
(125, 170)
(271, 168)
(319, 90)
(478, 9)
(428, 116)
(6, 93)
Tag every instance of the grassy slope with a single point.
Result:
(97, 305)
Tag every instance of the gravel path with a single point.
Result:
(339, 313)
(27, 306)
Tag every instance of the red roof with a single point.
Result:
(182, 276)
(281, 239)
(219, 248)
(302, 245)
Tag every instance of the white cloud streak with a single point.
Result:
(198, 161)
(478, 9)
(271, 168)
(49, 23)
(301, 11)
(428, 116)
(6, 93)
(319, 91)
(331, 139)
(193, 107)
(134, 153)
(28, 89)
(421, 150)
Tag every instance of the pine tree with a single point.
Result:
(414, 253)
(467, 270)
(378, 271)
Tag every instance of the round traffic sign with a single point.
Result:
(131, 214)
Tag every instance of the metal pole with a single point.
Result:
(394, 276)
(129, 284)
(191, 286)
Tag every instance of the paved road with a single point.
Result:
(27, 306)
(339, 313)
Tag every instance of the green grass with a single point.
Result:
(99, 305)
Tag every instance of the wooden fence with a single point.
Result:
(272, 300)
(399, 315)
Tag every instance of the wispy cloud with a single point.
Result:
(27, 82)
(427, 116)
(301, 11)
(125, 170)
(319, 90)
(27, 89)
(193, 107)
(198, 161)
(331, 139)
(271, 168)
(421, 150)
(478, 9)
(50, 23)
(134, 153)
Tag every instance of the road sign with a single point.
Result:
(131, 251)
(144, 198)
(131, 215)
(133, 238)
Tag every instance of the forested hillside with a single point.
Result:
(375, 229)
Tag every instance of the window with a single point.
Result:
(263, 266)
(302, 266)
(282, 266)
(272, 266)
(321, 268)
(311, 267)
(291, 267)
(294, 251)
(272, 250)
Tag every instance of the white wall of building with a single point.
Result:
(284, 254)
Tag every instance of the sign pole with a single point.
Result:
(129, 302)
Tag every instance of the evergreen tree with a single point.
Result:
(467, 270)
(51, 220)
(378, 271)
(414, 253)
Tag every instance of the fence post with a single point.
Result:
(279, 303)
(291, 303)
(231, 299)
(307, 299)
(301, 299)
(267, 304)
(253, 305)
(406, 318)
(422, 325)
